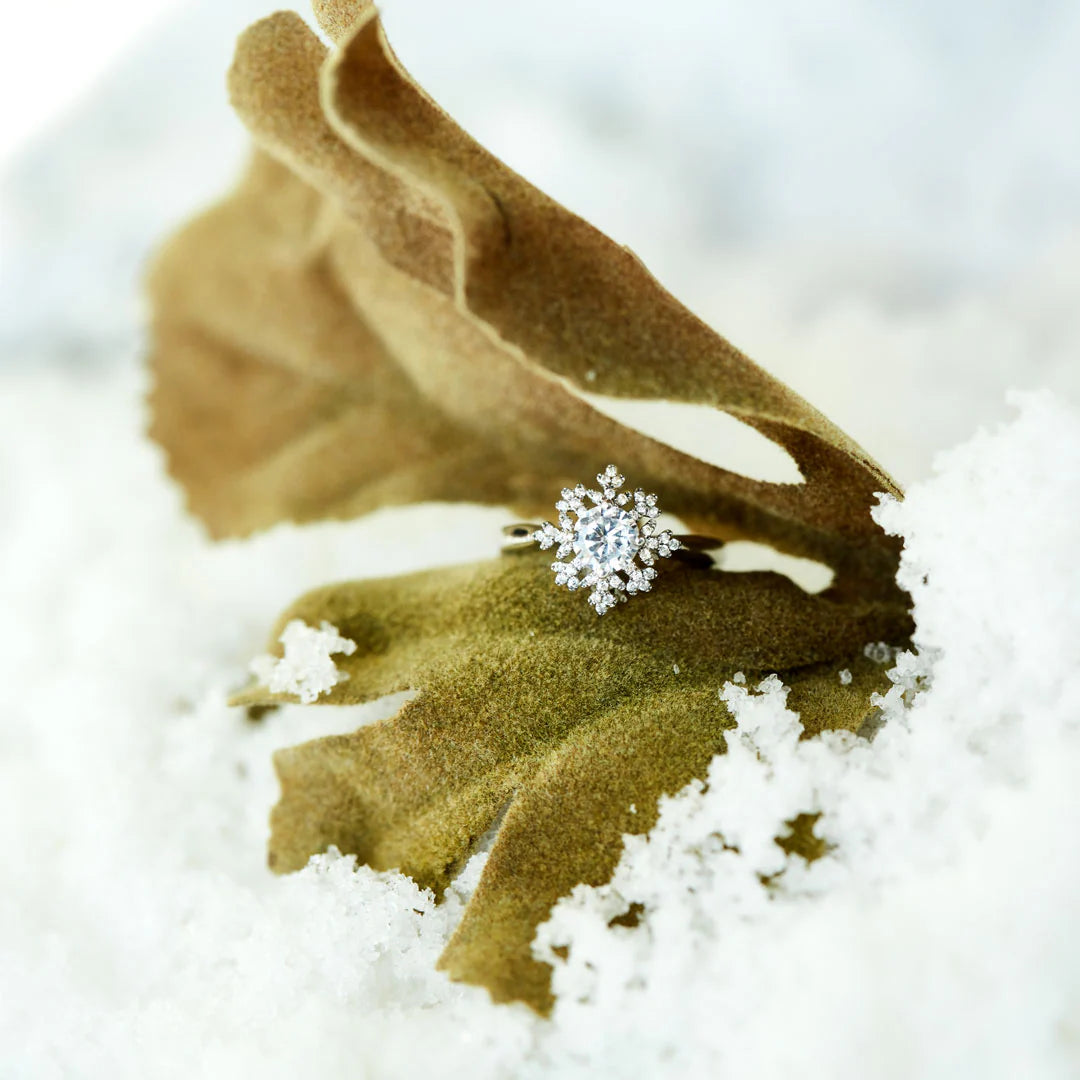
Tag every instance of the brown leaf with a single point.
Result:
(383, 312)
(529, 702)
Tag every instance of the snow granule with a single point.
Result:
(306, 669)
(879, 652)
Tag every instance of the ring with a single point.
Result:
(613, 542)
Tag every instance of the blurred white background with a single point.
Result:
(49, 57)
(879, 202)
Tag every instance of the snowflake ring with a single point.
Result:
(607, 540)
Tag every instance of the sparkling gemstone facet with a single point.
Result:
(606, 537)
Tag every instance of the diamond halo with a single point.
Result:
(613, 543)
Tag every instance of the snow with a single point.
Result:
(936, 937)
(307, 668)
(141, 934)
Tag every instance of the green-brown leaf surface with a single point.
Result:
(528, 701)
(383, 312)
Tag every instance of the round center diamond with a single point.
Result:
(607, 537)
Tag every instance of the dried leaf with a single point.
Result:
(527, 701)
(383, 312)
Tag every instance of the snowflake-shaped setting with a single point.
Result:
(600, 546)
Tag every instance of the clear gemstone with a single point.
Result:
(606, 537)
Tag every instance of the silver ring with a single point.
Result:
(611, 544)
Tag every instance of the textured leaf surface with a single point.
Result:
(529, 702)
(383, 312)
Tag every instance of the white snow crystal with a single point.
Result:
(878, 651)
(845, 677)
(306, 669)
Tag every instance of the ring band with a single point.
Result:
(693, 548)
(613, 545)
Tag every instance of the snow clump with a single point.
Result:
(306, 670)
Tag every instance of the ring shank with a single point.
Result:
(693, 547)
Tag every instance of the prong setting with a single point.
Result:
(606, 540)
